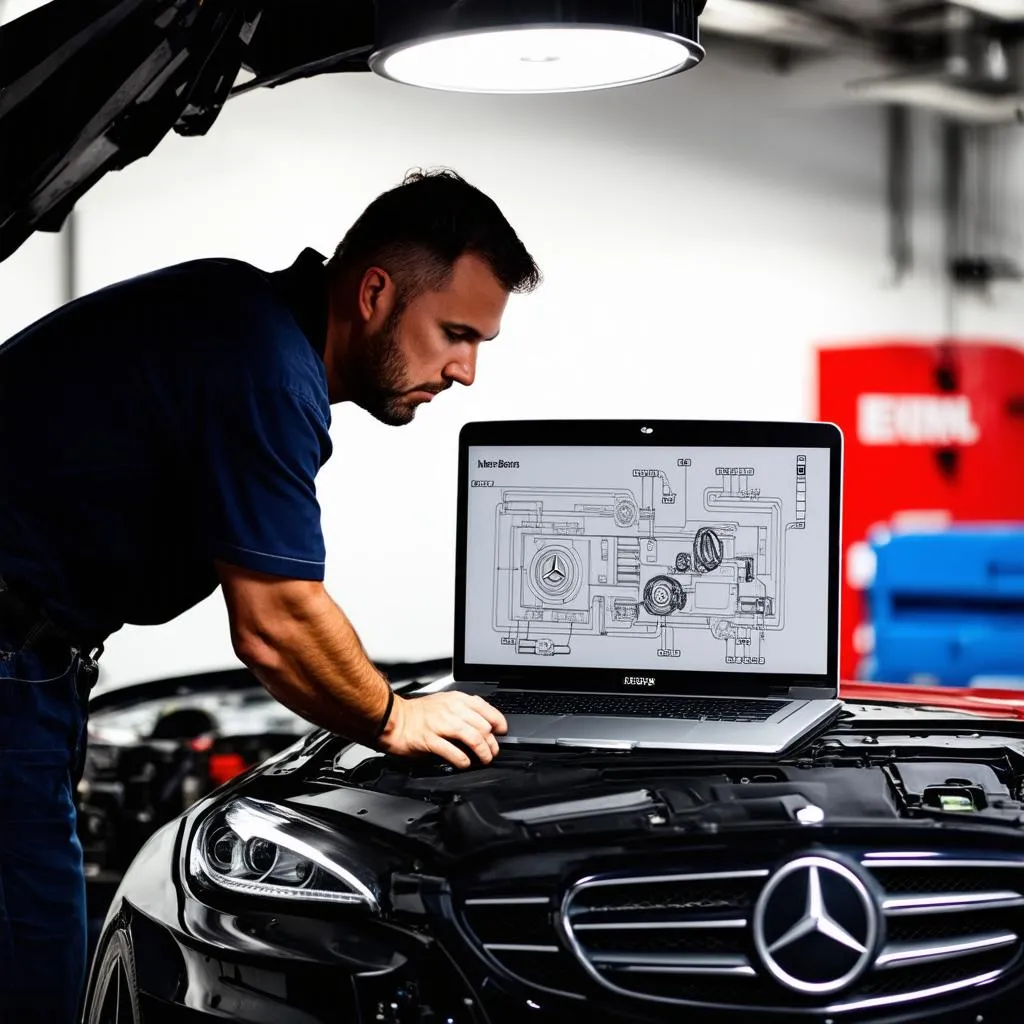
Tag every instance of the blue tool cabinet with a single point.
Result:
(947, 607)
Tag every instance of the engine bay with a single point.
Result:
(951, 773)
(878, 764)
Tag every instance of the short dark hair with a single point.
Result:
(417, 230)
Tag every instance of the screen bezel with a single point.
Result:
(656, 433)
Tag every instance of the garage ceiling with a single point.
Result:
(88, 88)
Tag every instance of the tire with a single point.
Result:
(114, 994)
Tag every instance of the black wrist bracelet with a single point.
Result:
(387, 713)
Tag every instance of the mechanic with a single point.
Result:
(160, 437)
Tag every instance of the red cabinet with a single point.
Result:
(933, 433)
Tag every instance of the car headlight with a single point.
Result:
(262, 849)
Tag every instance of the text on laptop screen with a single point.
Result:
(687, 559)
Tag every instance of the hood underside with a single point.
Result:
(90, 86)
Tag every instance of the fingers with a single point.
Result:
(475, 737)
(482, 726)
(494, 717)
(464, 722)
(451, 753)
(459, 701)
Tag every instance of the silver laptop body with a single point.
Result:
(668, 585)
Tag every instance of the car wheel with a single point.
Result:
(115, 998)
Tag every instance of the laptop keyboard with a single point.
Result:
(629, 706)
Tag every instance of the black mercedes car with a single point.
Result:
(875, 873)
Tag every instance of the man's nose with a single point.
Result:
(463, 369)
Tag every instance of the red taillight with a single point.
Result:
(224, 767)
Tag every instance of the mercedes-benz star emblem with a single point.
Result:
(554, 572)
(816, 925)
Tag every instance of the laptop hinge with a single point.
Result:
(796, 692)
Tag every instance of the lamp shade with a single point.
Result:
(534, 47)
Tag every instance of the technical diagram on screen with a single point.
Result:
(677, 556)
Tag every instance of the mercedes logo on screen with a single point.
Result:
(556, 574)
(816, 925)
(553, 573)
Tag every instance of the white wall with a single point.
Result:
(698, 236)
(31, 282)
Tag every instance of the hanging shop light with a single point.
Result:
(534, 47)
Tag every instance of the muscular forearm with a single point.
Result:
(305, 652)
(303, 649)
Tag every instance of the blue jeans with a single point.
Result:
(42, 886)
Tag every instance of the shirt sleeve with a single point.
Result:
(260, 451)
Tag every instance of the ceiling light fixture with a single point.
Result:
(539, 46)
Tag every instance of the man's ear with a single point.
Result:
(376, 292)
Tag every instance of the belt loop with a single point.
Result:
(87, 674)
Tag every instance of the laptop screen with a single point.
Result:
(649, 562)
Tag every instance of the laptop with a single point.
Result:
(669, 585)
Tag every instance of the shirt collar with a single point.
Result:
(303, 286)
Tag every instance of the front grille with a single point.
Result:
(517, 931)
(946, 924)
(642, 935)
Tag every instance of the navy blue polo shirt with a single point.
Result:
(159, 424)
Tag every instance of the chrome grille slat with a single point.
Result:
(899, 954)
(599, 926)
(934, 862)
(692, 876)
(518, 947)
(739, 971)
(909, 997)
(506, 901)
(951, 903)
(696, 962)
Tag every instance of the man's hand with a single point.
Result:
(427, 725)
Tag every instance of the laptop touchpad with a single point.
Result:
(604, 727)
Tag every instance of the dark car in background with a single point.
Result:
(875, 872)
(157, 747)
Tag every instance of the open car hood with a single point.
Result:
(89, 86)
